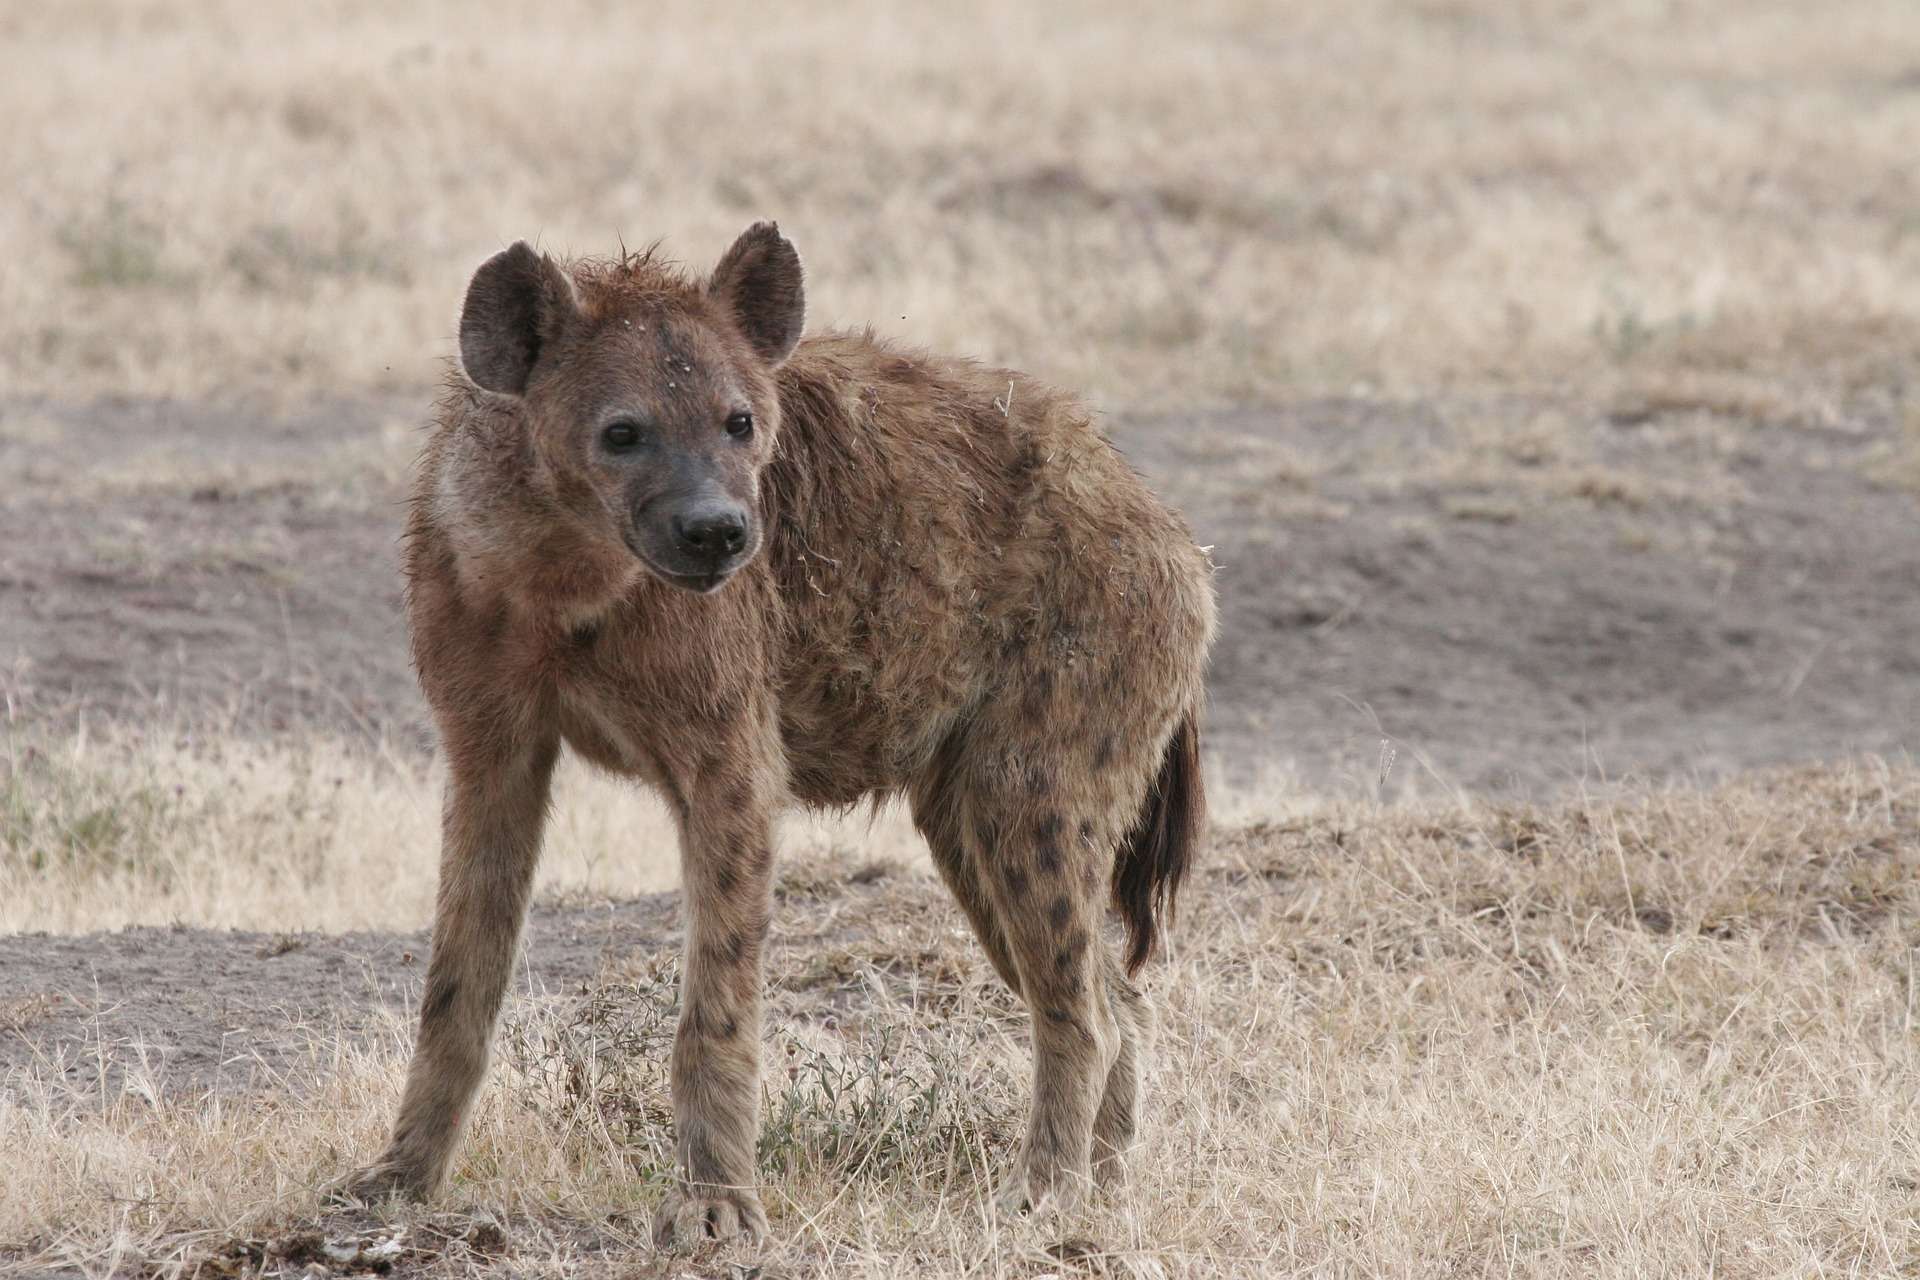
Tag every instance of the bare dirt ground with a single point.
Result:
(236, 1011)
(198, 1009)
(1507, 595)
(1527, 595)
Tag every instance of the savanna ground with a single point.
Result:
(1539, 372)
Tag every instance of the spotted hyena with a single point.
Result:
(654, 524)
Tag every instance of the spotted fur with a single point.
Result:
(956, 591)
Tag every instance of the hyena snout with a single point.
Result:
(696, 543)
(714, 531)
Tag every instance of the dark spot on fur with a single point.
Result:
(439, 1001)
(1059, 913)
(708, 1024)
(1016, 879)
(1046, 835)
(1086, 830)
(725, 880)
(1039, 693)
(585, 634)
(673, 352)
(1070, 951)
(728, 949)
(1103, 754)
(1062, 1016)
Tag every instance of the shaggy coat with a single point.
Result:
(654, 525)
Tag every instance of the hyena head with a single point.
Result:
(650, 398)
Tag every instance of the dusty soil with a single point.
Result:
(226, 1010)
(1497, 595)
(233, 1010)
(161, 558)
(1697, 594)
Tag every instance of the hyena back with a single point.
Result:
(654, 525)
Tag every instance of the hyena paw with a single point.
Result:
(1037, 1192)
(383, 1180)
(1014, 1198)
(1110, 1172)
(690, 1216)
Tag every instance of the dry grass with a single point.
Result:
(1167, 205)
(147, 827)
(1669, 1031)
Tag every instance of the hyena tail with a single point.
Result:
(1157, 851)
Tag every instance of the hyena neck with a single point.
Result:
(515, 538)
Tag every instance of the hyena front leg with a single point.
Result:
(495, 807)
(727, 865)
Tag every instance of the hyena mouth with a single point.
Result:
(702, 580)
(703, 584)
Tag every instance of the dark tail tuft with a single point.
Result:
(1156, 853)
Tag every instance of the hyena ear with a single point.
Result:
(759, 279)
(518, 302)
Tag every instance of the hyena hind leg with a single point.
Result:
(1048, 902)
(1034, 876)
(1116, 1122)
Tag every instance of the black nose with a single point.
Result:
(713, 531)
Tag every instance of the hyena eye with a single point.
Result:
(740, 425)
(621, 436)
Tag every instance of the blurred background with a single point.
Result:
(1215, 205)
